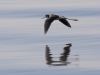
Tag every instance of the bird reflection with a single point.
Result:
(63, 59)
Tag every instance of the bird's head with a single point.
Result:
(46, 16)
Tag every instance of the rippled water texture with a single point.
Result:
(25, 50)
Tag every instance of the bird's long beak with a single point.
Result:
(43, 18)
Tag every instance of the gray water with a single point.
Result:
(25, 50)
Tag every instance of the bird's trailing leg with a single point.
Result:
(62, 17)
(72, 19)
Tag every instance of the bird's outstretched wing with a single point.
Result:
(48, 22)
(65, 22)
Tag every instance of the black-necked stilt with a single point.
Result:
(52, 17)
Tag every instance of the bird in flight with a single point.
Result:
(52, 17)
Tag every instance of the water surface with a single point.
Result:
(25, 50)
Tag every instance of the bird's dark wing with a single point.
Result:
(65, 22)
(47, 24)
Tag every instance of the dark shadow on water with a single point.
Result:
(63, 59)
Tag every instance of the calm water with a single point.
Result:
(25, 50)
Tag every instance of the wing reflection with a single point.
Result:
(63, 59)
(65, 54)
